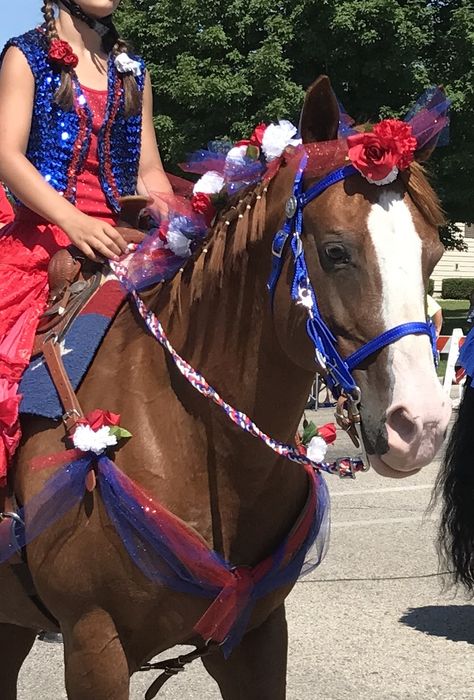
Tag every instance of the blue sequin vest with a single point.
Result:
(59, 140)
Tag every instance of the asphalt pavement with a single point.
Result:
(371, 623)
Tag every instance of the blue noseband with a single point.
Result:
(339, 371)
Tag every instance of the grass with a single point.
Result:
(454, 314)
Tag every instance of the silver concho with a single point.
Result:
(291, 206)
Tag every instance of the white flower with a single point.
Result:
(277, 137)
(178, 243)
(210, 183)
(316, 450)
(125, 64)
(97, 441)
(391, 177)
(236, 156)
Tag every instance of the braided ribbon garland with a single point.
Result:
(344, 468)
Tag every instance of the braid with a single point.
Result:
(111, 42)
(64, 94)
(132, 98)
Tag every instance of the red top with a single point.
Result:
(90, 197)
(6, 211)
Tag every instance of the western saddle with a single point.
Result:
(73, 280)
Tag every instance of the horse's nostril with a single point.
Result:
(402, 422)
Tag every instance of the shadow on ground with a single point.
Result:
(453, 622)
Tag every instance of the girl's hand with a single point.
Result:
(96, 239)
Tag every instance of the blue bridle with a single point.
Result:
(339, 371)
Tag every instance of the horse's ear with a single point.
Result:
(319, 119)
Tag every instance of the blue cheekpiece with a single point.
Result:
(59, 139)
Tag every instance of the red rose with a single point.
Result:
(256, 138)
(202, 204)
(61, 52)
(400, 134)
(328, 433)
(98, 418)
(376, 153)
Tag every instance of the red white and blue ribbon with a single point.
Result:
(346, 467)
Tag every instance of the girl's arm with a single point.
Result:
(17, 92)
(152, 180)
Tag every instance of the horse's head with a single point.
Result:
(369, 251)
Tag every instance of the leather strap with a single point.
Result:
(72, 408)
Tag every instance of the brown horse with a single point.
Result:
(370, 251)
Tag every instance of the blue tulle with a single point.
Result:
(152, 543)
(61, 492)
(146, 542)
(429, 117)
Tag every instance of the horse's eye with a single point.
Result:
(336, 252)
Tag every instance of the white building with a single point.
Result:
(455, 263)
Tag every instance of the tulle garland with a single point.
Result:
(176, 232)
(170, 553)
(428, 118)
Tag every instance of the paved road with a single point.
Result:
(372, 623)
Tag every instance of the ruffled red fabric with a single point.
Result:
(25, 250)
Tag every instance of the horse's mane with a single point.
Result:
(422, 194)
(237, 226)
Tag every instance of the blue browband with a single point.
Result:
(339, 371)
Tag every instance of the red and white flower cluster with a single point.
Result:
(98, 431)
(315, 441)
(379, 154)
(267, 142)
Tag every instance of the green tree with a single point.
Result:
(452, 63)
(218, 68)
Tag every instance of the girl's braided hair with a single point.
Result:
(111, 42)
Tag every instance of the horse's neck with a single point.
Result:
(186, 451)
(229, 337)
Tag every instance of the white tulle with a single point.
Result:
(316, 449)
(277, 137)
(210, 183)
(177, 242)
(391, 177)
(236, 155)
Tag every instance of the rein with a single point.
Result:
(338, 370)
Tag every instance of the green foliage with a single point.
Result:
(457, 288)
(218, 68)
(309, 432)
(452, 237)
(430, 289)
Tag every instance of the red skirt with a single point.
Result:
(26, 247)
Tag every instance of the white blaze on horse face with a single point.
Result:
(419, 410)
(398, 252)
